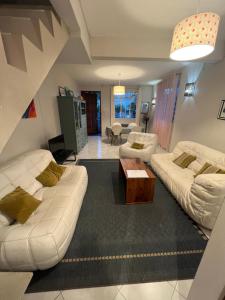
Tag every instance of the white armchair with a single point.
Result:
(148, 139)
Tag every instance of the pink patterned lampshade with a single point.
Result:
(195, 36)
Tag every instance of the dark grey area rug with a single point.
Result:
(118, 244)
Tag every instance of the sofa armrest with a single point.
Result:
(206, 197)
(214, 183)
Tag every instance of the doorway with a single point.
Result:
(93, 110)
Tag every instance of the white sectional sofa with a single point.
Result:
(42, 241)
(202, 196)
(148, 139)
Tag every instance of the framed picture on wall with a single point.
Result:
(30, 111)
(62, 91)
(221, 114)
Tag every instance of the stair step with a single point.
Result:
(22, 25)
(14, 51)
(44, 15)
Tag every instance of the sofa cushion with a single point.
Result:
(184, 160)
(48, 177)
(19, 205)
(137, 146)
(195, 166)
(56, 169)
(207, 169)
(178, 180)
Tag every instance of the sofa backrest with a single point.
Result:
(22, 171)
(144, 138)
(203, 153)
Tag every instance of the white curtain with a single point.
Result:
(167, 92)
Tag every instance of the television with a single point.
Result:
(57, 147)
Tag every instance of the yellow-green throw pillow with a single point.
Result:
(47, 178)
(56, 169)
(207, 169)
(221, 171)
(19, 205)
(138, 146)
(51, 174)
(184, 160)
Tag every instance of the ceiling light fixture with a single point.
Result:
(195, 37)
(119, 90)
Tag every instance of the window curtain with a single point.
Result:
(166, 98)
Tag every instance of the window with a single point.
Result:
(125, 106)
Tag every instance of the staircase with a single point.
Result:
(30, 41)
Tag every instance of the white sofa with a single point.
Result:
(148, 139)
(42, 241)
(202, 196)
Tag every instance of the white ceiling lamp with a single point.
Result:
(195, 37)
(119, 90)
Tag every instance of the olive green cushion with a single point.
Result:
(138, 146)
(56, 169)
(19, 205)
(208, 169)
(184, 160)
(47, 178)
(51, 174)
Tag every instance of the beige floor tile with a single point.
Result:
(60, 297)
(103, 293)
(147, 291)
(119, 296)
(42, 296)
(183, 287)
(177, 296)
(172, 283)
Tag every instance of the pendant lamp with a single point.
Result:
(195, 37)
(119, 90)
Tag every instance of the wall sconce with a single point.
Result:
(189, 89)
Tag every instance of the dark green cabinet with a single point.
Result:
(73, 121)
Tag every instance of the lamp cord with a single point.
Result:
(198, 6)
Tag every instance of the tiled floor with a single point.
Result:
(98, 147)
(171, 290)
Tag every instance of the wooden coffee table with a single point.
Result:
(138, 190)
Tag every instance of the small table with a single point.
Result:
(138, 190)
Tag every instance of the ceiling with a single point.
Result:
(141, 18)
(103, 72)
(130, 37)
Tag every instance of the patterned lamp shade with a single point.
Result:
(119, 90)
(195, 37)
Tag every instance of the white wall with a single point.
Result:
(196, 118)
(34, 133)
